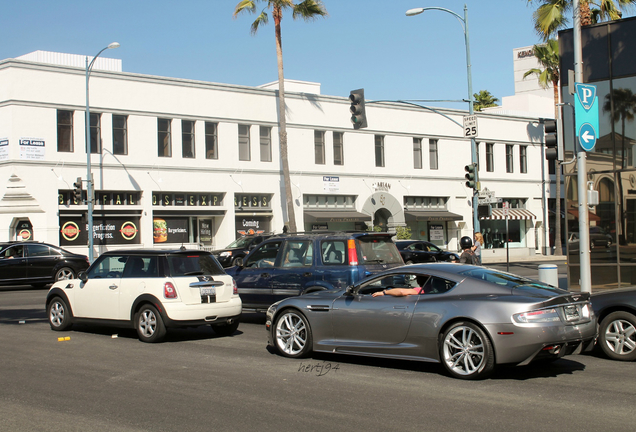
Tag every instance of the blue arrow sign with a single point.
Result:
(587, 136)
(586, 114)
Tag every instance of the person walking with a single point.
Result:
(467, 256)
(479, 243)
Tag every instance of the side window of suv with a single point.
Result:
(297, 253)
(264, 256)
(334, 252)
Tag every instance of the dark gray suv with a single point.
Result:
(287, 265)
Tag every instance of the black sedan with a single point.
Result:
(616, 311)
(234, 253)
(38, 264)
(468, 318)
(418, 251)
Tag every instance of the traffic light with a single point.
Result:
(77, 191)
(358, 115)
(471, 176)
(553, 139)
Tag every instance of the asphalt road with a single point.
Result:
(105, 379)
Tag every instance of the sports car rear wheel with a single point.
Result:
(292, 334)
(466, 351)
(617, 336)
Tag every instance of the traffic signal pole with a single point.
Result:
(584, 231)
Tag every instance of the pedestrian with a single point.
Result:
(467, 256)
(479, 243)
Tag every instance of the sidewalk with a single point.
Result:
(530, 258)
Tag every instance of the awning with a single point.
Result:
(513, 214)
(431, 216)
(335, 216)
(575, 215)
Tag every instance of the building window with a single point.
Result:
(379, 150)
(490, 157)
(211, 146)
(338, 148)
(509, 161)
(244, 142)
(164, 141)
(120, 134)
(319, 147)
(64, 131)
(417, 153)
(187, 139)
(433, 154)
(266, 144)
(523, 159)
(96, 133)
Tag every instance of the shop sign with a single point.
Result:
(4, 148)
(31, 148)
(252, 225)
(170, 230)
(319, 227)
(251, 201)
(205, 231)
(24, 230)
(106, 231)
(381, 186)
(118, 198)
(436, 232)
(186, 198)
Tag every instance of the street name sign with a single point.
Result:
(586, 114)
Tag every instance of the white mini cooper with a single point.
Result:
(149, 290)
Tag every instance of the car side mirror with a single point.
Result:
(82, 276)
(349, 290)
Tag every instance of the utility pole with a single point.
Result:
(581, 157)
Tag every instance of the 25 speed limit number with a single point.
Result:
(470, 126)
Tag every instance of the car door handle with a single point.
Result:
(307, 274)
(113, 287)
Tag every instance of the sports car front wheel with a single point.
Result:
(292, 334)
(466, 351)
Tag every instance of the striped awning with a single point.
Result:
(513, 214)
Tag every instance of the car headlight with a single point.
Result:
(538, 316)
(226, 254)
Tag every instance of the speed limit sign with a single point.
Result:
(470, 126)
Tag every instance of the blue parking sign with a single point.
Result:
(586, 114)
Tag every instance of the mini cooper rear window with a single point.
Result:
(194, 265)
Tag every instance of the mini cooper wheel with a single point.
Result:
(225, 329)
(64, 273)
(617, 336)
(292, 334)
(149, 324)
(59, 314)
(466, 351)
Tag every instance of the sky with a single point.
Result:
(368, 44)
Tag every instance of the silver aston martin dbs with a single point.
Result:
(466, 317)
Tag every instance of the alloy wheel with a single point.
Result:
(620, 337)
(291, 334)
(464, 351)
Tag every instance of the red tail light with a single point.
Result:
(352, 252)
(235, 288)
(169, 291)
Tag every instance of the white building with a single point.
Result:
(196, 163)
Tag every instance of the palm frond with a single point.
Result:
(248, 6)
(262, 19)
(309, 10)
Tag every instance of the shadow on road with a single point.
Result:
(14, 316)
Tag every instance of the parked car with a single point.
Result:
(419, 251)
(37, 264)
(149, 290)
(234, 253)
(616, 312)
(598, 238)
(469, 318)
(292, 264)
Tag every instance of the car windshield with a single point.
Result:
(379, 250)
(241, 242)
(194, 265)
(508, 280)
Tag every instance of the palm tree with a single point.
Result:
(307, 10)
(484, 99)
(548, 56)
(551, 16)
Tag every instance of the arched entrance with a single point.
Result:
(381, 219)
(385, 209)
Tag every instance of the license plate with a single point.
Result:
(571, 313)
(208, 291)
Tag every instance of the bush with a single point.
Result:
(403, 233)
